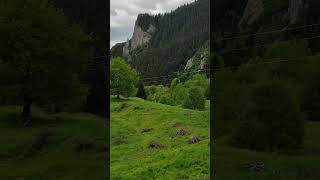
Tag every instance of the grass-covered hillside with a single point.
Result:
(150, 140)
(55, 146)
(242, 164)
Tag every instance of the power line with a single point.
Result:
(245, 48)
(266, 32)
(267, 44)
(98, 57)
(169, 78)
(269, 61)
(172, 75)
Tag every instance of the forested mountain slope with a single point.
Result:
(260, 23)
(161, 44)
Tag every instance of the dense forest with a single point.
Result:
(92, 17)
(178, 36)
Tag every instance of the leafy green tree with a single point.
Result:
(199, 80)
(150, 91)
(123, 78)
(41, 54)
(179, 93)
(159, 92)
(272, 119)
(195, 99)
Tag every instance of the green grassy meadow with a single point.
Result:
(56, 146)
(131, 158)
(229, 161)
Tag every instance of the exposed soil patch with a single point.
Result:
(181, 132)
(146, 130)
(120, 140)
(84, 145)
(254, 166)
(194, 140)
(89, 144)
(155, 145)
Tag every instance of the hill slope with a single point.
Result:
(135, 123)
(60, 146)
(230, 161)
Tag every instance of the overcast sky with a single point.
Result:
(123, 14)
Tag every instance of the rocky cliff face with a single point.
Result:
(200, 59)
(295, 11)
(139, 38)
(252, 12)
(255, 9)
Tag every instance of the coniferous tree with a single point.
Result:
(141, 92)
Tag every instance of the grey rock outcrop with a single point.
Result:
(295, 11)
(254, 9)
(126, 49)
(140, 37)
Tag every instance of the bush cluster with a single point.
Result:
(190, 94)
(265, 107)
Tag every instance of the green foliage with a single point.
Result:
(141, 92)
(181, 93)
(195, 99)
(123, 77)
(201, 81)
(28, 157)
(156, 92)
(41, 55)
(271, 120)
(264, 106)
(308, 75)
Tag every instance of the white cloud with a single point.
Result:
(123, 14)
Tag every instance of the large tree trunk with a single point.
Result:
(26, 112)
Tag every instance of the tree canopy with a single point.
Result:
(42, 56)
(123, 78)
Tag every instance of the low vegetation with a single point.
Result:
(265, 115)
(162, 141)
(56, 146)
(190, 94)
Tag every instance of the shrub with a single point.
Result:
(178, 93)
(150, 91)
(165, 98)
(272, 120)
(195, 99)
(141, 93)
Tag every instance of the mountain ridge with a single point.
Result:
(162, 44)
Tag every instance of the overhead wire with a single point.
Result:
(266, 32)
